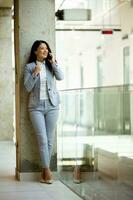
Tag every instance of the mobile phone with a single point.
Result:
(49, 57)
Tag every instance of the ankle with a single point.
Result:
(47, 172)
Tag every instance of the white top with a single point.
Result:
(43, 81)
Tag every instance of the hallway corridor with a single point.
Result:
(11, 189)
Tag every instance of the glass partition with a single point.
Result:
(95, 142)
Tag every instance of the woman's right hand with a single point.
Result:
(37, 69)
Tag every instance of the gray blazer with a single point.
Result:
(32, 84)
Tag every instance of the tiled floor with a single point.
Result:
(11, 189)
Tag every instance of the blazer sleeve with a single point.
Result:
(29, 79)
(57, 72)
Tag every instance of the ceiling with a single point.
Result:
(104, 13)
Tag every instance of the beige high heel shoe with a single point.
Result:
(46, 176)
(77, 175)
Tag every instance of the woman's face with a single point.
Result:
(42, 52)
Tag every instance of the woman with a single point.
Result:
(39, 80)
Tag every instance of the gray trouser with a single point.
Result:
(44, 119)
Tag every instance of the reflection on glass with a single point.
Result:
(95, 152)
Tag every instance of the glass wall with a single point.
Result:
(95, 145)
(95, 129)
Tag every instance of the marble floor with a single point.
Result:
(11, 189)
(91, 188)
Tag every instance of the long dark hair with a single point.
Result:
(33, 58)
